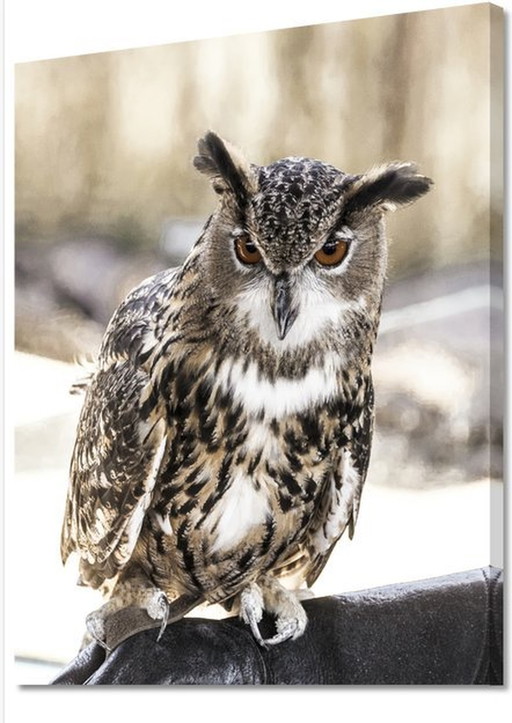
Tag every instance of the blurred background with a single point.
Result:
(106, 195)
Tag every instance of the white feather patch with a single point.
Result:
(283, 396)
(341, 507)
(132, 530)
(240, 509)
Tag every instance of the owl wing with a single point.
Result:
(338, 505)
(118, 450)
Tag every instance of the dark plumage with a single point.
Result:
(225, 435)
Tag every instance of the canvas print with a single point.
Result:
(259, 357)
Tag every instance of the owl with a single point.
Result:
(225, 433)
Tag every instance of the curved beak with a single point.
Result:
(283, 310)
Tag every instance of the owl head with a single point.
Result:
(298, 247)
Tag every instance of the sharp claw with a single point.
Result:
(287, 629)
(157, 607)
(279, 638)
(270, 642)
(95, 624)
(164, 605)
(253, 621)
(251, 609)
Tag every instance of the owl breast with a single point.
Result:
(244, 472)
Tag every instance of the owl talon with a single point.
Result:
(158, 609)
(96, 628)
(287, 629)
(291, 618)
(251, 609)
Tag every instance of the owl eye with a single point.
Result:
(332, 252)
(246, 251)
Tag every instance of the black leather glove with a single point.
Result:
(446, 630)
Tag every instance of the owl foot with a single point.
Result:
(289, 627)
(270, 595)
(251, 609)
(150, 599)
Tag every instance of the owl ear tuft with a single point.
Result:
(226, 167)
(386, 186)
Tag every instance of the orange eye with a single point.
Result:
(332, 252)
(246, 251)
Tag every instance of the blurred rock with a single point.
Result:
(67, 292)
(438, 368)
(47, 328)
(423, 422)
(96, 275)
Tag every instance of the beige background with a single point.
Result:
(103, 148)
(104, 142)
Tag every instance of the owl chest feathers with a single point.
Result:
(247, 460)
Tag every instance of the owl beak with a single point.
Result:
(284, 310)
